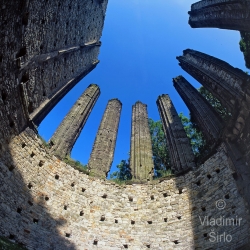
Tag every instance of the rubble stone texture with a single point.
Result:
(102, 154)
(46, 204)
(70, 128)
(181, 154)
(202, 112)
(141, 156)
(226, 83)
(46, 48)
(223, 14)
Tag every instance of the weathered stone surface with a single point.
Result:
(102, 154)
(141, 156)
(202, 112)
(56, 206)
(226, 83)
(46, 47)
(70, 128)
(180, 150)
(223, 14)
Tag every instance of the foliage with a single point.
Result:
(161, 156)
(45, 144)
(245, 47)
(196, 139)
(6, 244)
(215, 103)
(76, 164)
(124, 172)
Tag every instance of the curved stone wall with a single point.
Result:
(46, 204)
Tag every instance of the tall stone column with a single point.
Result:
(232, 15)
(103, 150)
(70, 128)
(181, 154)
(141, 156)
(226, 83)
(202, 112)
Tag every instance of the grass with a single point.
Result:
(6, 244)
(76, 165)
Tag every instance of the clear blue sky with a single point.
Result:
(140, 42)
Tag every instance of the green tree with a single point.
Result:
(123, 173)
(215, 103)
(195, 136)
(159, 147)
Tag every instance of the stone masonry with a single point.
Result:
(202, 112)
(46, 204)
(223, 14)
(181, 154)
(141, 156)
(70, 128)
(102, 154)
(226, 83)
(46, 47)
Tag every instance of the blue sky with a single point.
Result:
(140, 42)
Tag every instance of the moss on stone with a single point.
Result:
(6, 244)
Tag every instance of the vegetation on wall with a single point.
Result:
(245, 47)
(195, 136)
(215, 103)
(76, 164)
(6, 244)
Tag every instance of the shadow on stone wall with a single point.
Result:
(24, 215)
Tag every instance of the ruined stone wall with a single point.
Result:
(46, 48)
(70, 128)
(141, 156)
(224, 14)
(226, 83)
(202, 112)
(46, 204)
(102, 154)
(179, 146)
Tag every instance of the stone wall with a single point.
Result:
(47, 47)
(46, 204)
(224, 14)
(204, 115)
(103, 150)
(70, 128)
(226, 83)
(179, 147)
(141, 155)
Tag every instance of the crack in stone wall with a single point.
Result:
(179, 146)
(70, 128)
(102, 154)
(223, 14)
(141, 156)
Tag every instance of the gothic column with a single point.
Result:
(202, 112)
(181, 154)
(141, 156)
(232, 15)
(226, 83)
(70, 128)
(102, 153)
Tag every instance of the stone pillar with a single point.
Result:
(70, 128)
(232, 15)
(102, 153)
(181, 154)
(202, 112)
(141, 156)
(226, 83)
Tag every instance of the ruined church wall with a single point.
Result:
(48, 46)
(46, 204)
